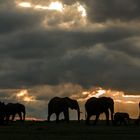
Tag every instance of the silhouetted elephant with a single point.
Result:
(96, 106)
(15, 108)
(2, 112)
(121, 117)
(58, 105)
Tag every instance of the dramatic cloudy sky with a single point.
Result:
(67, 47)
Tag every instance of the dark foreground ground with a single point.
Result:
(73, 131)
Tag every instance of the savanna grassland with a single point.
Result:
(73, 131)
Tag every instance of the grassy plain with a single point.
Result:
(73, 131)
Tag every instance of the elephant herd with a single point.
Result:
(93, 107)
(8, 112)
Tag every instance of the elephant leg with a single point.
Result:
(13, 117)
(125, 121)
(7, 118)
(96, 119)
(87, 119)
(23, 115)
(57, 117)
(116, 122)
(20, 116)
(107, 117)
(128, 121)
(66, 115)
(49, 115)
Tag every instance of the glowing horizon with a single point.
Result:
(118, 96)
(123, 102)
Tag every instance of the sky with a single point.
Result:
(74, 48)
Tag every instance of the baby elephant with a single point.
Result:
(121, 117)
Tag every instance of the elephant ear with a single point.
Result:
(67, 101)
(71, 103)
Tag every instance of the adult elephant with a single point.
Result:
(15, 108)
(96, 106)
(58, 105)
(121, 117)
(2, 112)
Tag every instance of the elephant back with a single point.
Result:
(91, 101)
(91, 105)
(106, 102)
(15, 107)
(56, 104)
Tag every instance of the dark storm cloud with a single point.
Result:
(88, 59)
(101, 10)
(46, 43)
(125, 46)
(16, 19)
(32, 55)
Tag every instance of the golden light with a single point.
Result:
(56, 6)
(82, 10)
(76, 13)
(100, 92)
(28, 99)
(118, 96)
(25, 4)
(41, 7)
(131, 96)
(97, 92)
(85, 93)
(23, 95)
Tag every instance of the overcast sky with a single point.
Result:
(81, 43)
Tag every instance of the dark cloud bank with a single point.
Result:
(31, 55)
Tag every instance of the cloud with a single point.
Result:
(49, 47)
(37, 106)
(51, 53)
(36, 98)
(85, 60)
(14, 19)
(102, 11)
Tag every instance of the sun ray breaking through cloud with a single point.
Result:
(25, 4)
(23, 95)
(71, 16)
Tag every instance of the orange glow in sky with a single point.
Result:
(57, 6)
(25, 4)
(82, 10)
(122, 101)
(23, 95)
(118, 96)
